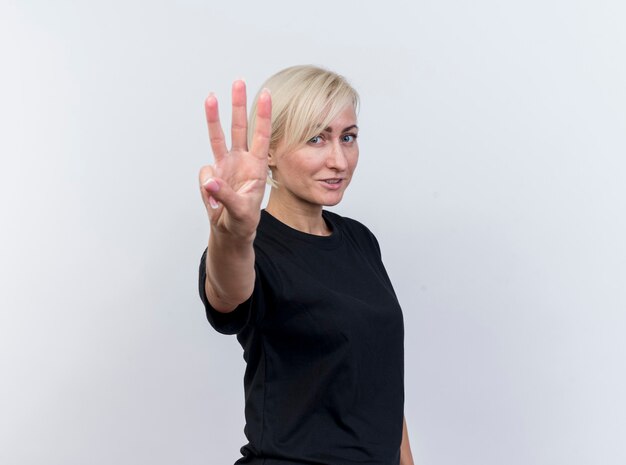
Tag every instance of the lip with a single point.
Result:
(332, 183)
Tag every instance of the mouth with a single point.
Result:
(332, 183)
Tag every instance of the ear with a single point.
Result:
(271, 160)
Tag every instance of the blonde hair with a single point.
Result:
(305, 100)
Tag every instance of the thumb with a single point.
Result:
(216, 191)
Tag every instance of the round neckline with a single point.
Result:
(330, 241)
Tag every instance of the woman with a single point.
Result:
(304, 290)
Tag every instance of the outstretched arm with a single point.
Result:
(232, 190)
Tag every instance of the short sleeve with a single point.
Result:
(232, 322)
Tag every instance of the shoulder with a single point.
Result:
(346, 223)
(354, 230)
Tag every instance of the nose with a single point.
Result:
(336, 158)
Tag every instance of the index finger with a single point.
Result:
(262, 126)
(216, 135)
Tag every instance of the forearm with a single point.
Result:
(229, 270)
(406, 457)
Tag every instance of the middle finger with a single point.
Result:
(239, 128)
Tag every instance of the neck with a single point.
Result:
(307, 219)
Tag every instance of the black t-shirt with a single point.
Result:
(323, 340)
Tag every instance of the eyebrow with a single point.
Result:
(354, 126)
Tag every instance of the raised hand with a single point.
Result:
(233, 187)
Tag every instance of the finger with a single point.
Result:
(263, 125)
(239, 128)
(206, 174)
(208, 183)
(216, 135)
(217, 194)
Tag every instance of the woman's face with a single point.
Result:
(318, 173)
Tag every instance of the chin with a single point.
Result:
(332, 201)
(331, 204)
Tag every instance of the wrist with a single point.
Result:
(227, 239)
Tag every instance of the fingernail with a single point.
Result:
(266, 90)
(211, 185)
(214, 204)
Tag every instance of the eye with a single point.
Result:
(316, 140)
(348, 138)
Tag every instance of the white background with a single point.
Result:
(493, 137)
